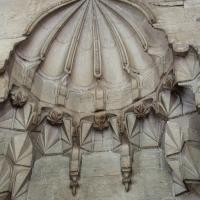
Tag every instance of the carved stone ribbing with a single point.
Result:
(103, 80)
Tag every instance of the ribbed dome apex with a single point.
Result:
(86, 51)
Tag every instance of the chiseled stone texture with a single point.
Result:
(101, 173)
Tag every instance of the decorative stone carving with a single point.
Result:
(53, 135)
(55, 117)
(18, 97)
(169, 82)
(96, 76)
(181, 149)
(105, 19)
(187, 68)
(169, 104)
(17, 117)
(85, 137)
(75, 169)
(115, 126)
(20, 155)
(126, 164)
(100, 121)
(142, 110)
(141, 133)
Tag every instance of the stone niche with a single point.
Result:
(96, 104)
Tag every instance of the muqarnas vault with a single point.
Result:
(95, 83)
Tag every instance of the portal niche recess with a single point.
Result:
(96, 76)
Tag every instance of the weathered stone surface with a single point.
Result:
(99, 99)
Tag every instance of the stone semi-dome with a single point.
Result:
(91, 55)
(97, 101)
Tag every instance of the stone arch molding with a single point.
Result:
(98, 66)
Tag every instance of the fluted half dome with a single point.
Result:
(90, 55)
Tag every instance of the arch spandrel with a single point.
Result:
(92, 77)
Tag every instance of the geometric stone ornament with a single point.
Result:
(16, 166)
(187, 68)
(49, 140)
(20, 155)
(181, 151)
(5, 174)
(54, 134)
(20, 178)
(18, 118)
(20, 150)
(187, 73)
(145, 133)
(95, 85)
(170, 104)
